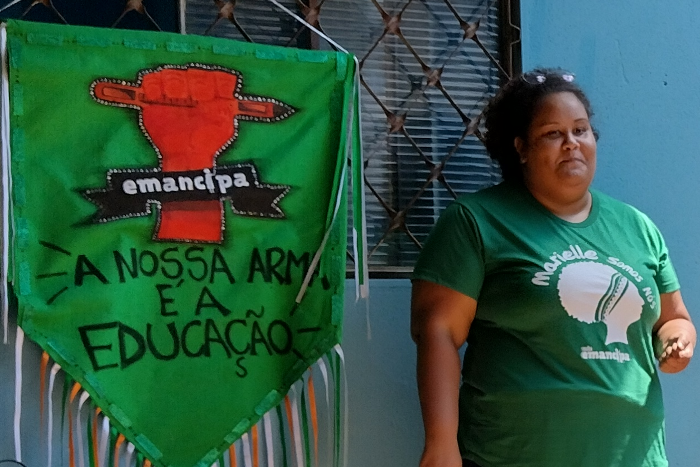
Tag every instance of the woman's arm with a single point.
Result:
(675, 334)
(440, 321)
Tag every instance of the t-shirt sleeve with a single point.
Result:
(453, 255)
(666, 278)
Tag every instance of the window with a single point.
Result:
(428, 69)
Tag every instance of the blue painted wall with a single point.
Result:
(639, 62)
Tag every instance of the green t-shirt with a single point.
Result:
(559, 368)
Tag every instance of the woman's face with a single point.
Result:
(560, 151)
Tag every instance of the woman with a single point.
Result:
(564, 295)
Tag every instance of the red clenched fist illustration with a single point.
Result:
(190, 114)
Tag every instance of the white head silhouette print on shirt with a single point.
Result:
(593, 292)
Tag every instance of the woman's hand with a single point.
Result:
(676, 354)
(675, 334)
(447, 456)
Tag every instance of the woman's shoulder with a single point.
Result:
(621, 210)
(501, 195)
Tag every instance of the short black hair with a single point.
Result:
(509, 114)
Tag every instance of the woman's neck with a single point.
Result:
(574, 208)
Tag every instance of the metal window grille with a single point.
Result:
(428, 68)
(150, 15)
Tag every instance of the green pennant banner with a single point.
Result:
(169, 196)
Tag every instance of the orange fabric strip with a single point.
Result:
(254, 441)
(314, 415)
(71, 448)
(232, 455)
(95, 452)
(147, 463)
(42, 380)
(288, 407)
(117, 445)
(74, 391)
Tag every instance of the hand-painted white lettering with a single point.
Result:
(169, 184)
(240, 180)
(185, 183)
(224, 181)
(650, 297)
(209, 181)
(625, 267)
(199, 183)
(557, 259)
(129, 187)
(587, 353)
(148, 185)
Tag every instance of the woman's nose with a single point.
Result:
(570, 141)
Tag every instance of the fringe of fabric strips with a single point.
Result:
(308, 429)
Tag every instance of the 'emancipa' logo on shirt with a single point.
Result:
(594, 292)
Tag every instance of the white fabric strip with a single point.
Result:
(317, 256)
(129, 454)
(344, 390)
(245, 445)
(269, 436)
(19, 344)
(298, 449)
(79, 431)
(5, 177)
(104, 441)
(361, 283)
(49, 407)
(12, 3)
(323, 367)
(324, 374)
(183, 17)
(303, 21)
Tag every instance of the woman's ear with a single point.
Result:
(519, 144)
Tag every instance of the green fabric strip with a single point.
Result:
(91, 419)
(113, 434)
(311, 56)
(181, 47)
(149, 447)
(93, 41)
(17, 140)
(142, 45)
(270, 54)
(283, 436)
(305, 424)
(229, 49)
(19, 191)
(25, 287)
(119, 416)
(45, 39)
(22, 232)
(17, 100)
(15, 47)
